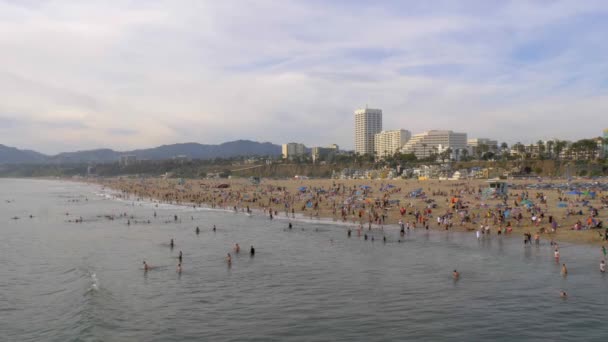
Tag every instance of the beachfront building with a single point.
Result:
(386, 143)
(479, 146)
(293, 150)
(323, 153)
(435, 142)
(368, 122)
(127, 160)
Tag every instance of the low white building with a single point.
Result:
(434, 142)
(126, 160)
(292, 150)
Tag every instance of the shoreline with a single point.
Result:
(283, 197)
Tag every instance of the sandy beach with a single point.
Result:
(466, 205)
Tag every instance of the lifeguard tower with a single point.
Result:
(497, 187)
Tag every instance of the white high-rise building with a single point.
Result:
(291, 150)
(430, 142)
(368, 122)
(386, 143)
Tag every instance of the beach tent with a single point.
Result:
(416, 193)
(573, 192)
(562, 205)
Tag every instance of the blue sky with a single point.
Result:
(132, 74)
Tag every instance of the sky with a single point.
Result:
(78, 75)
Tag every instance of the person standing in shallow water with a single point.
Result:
(564, 270)
(252, 251)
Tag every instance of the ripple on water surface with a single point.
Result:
(64, 282)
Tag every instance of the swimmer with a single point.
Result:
(198, 231)
(146, 267)
(171, 243)
(179, 268)
(229, 258)
(455, 275)
(252, 251)
(348, 233)
(602, 266)
(556, 255)
(290, 225)
(563, 294)
(237, 248)
(564, 270)
(214, 228)
(180, 256)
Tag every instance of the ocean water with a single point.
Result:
(66, 281)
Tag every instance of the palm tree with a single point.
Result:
(550, 144)
(465, 154)
(559, 147)
(541, 148)
(423, 150)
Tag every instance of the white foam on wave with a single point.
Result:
(94, 282)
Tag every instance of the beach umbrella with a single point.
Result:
(302, 188)
(573, 192)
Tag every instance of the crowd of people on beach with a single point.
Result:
(464, 206)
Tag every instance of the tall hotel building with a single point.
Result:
(368, 122)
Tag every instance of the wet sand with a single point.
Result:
(383, 202)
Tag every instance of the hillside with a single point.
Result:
(11, 155)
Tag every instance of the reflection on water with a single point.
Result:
(84, 281)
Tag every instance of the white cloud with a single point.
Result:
(138, 74)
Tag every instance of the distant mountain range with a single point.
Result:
(238, 148)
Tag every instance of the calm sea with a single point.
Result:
(66, 281)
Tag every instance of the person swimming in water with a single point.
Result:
(198, 231)
(564, 270)
(180, 256)
(602, 266)
(563, 294)
(252, 251)
(146, 267)
(214, 228)
(237, 248)
(179, 268)
(348, 233)
(455, 275)
(172, 244)
(229, 259)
